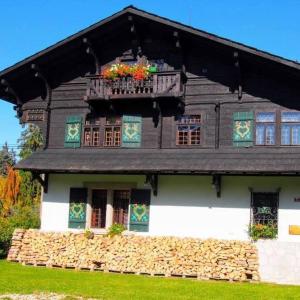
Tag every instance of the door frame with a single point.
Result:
(110, 187)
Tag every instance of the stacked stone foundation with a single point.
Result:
(166, 256)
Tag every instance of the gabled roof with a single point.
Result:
(152, 17)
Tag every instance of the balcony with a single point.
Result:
(159, 85)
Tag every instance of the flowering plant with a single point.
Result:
(137, 71)
(262, 231)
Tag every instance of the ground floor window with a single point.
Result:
(120, 207)
(99, 203)
(109, 207)
(264, 215)
(265, 208)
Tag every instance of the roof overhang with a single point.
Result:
(23, 66)
(163, 161)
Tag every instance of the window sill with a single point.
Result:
(103, 231)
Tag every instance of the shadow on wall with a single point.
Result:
(197, 191)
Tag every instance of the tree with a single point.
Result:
(19, 195)
(11, 190)
(7, 158)
(30, 141)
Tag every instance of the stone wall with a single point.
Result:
(169, 256)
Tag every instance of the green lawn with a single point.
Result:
(15, 278)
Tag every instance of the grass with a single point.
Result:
(15, 278)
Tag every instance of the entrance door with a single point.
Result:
(99, 201)
(120, 205)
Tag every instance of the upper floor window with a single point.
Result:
(112, 132)
(91, 133)
(265, 128)
(188, 130)
(290, 128)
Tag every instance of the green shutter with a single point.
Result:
(131, 131)
(139, 210)
(73, 131)
(243, 129)
(77, 208)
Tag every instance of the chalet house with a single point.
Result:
(161, 127)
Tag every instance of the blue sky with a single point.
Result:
(29, 26)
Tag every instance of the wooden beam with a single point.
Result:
(152, 179)
(156, 112)
(90, 50)
(238, 79)
(42, 179)
(10, 90)
(135, 36)
(217, 126)
(217, 183)
(39, 74)
(180, 108)
(177, 39)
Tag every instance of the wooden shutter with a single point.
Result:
(243, 129)
(73, 131)
(139, 210)
(131, 131)
(77, 208)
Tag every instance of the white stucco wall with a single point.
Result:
(279, 262)
(186, 205)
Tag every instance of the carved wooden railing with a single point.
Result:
(160, 84)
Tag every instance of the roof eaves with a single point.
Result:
(163, 20)
(216, 38)
(72, 37)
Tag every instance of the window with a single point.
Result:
(99, 202)
(265, 128)
(264, 208)
(109, 206)
(112, 134)
(91, 136)
(120, 205)
(290, 128)
(188, 130)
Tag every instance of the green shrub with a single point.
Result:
(261, 231)
(20, 217)
(115, 229)
(6, 232)
(88, 234)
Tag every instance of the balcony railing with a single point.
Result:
(161, 84)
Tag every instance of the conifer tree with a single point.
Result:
(7, 159)
(30, 141)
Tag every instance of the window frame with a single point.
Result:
(112, 127)
(110, 187)
(121, 212)
(93, 210)
(274, 210)
(275, 123)
(200, 124)
(92, 127)
(286, 123)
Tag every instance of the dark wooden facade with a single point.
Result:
(213, 78)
